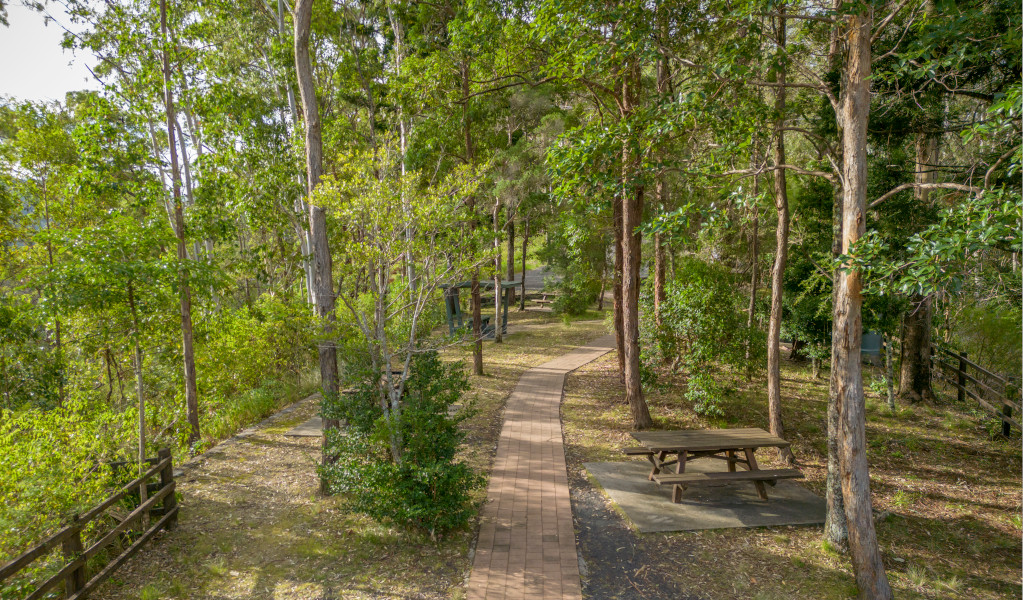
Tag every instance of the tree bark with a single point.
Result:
(184, 289)
(300, 206)
(836, 530)
(781, 204)
(755, 268)
(632, 212)
(617, 286)
(915, 370)
(510, 232)
(661, 190)
(525, 244)
(477, 319)
(854, 112)
(323, 279)
(498, 336)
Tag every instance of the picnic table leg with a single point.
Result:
(676, 492)
(731, 461)
(752, 462)
(656, 462)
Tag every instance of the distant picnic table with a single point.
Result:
(453, 305)
(723, 444)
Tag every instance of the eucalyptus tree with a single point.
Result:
(323, 277)
(603, 49)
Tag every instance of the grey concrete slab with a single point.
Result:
(311, 428)
(648, 505)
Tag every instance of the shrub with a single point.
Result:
(702, 326)
(426, 489)
(575, 294)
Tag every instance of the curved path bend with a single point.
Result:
(526, 546)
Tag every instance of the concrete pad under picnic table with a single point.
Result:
(707, 506)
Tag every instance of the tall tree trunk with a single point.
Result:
(915, 370)
(632, 212)
(300, 206)
(617, 286)
(525, 244)
(498, 335)
(323, 279)
(477, 319)
(184, 288)
(510, 232)
(889, 372)
(661, 190)
(915, 373)
(854, 112)
(755, 268)
(781, 204)
(836, 530)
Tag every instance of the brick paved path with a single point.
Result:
(526, 546)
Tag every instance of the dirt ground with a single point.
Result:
(253, 525)
(947, 498)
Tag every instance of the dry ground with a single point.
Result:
(947, 493)
(254, 526)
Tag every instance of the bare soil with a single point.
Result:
(947, 497)
(253, 524)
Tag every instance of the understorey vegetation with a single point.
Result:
(261, 201)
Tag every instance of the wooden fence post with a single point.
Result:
(1010, 392)
(961, 394)
(167, 478)
(72, 549)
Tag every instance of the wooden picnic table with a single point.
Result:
(735, 446)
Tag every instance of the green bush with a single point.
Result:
(575, 294)
(703, 327)
(426, 490)
(241, 348)
(29, 372)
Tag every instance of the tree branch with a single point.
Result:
(926, 186)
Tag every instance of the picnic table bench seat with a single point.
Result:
(637, 451)
(770, 476)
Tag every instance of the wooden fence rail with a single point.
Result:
(997, 394)
(73, 574)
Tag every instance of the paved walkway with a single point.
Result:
(526, 546)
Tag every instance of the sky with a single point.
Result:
(33, 66)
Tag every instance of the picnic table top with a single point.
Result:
(695, 440)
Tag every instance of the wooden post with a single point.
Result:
(961, 396)
(166, 478)
(1007, 411)
(72, 549)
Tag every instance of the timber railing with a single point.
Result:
(997, 394)
(73, 575)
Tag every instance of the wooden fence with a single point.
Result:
(73, 575)
(997, 394)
